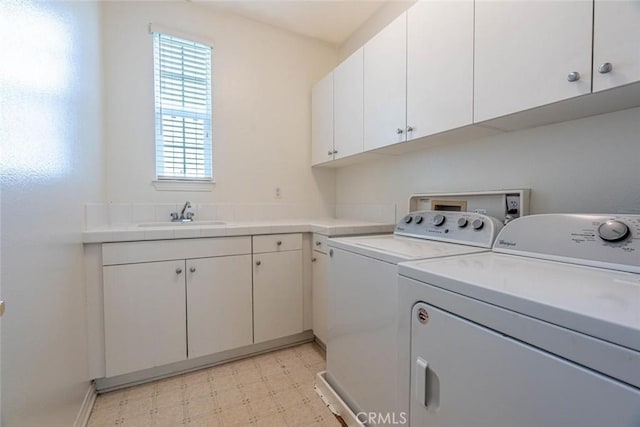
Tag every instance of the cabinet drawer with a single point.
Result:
(164, 250)
(277, 243)
(319, 243)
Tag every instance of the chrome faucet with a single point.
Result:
(184, 215)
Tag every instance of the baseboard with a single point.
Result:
(87, 406)
(104, 385)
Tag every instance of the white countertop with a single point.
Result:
(325, 226)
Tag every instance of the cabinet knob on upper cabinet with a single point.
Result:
(409, 129)
(279, 243)
(178, 270)
(605, 68)
(314, 259)
(258, 262)
(399, 131)
(335, 152)
(318, 242)
(574, 76)
(192, 269)
(330, 152)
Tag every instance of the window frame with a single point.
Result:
(182, 183)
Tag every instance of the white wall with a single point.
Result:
(50, 165)
(383, 16)
(262, 79)
(588, 165)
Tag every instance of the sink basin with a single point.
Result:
(181, 224)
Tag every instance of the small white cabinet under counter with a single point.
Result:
(159, 309)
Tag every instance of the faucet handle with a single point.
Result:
(174, 216)
(190, 215)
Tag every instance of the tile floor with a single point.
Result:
(272, 389)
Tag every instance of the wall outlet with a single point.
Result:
(513, 205)
(278, 193)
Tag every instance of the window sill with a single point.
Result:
(183, 185)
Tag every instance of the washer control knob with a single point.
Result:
(613, 231)
(438, 220)
(477, 224)
(418, 219)
(408, 219)
(462, 222)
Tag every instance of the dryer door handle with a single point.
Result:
(422, 367)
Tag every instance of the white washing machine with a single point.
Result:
(543, 331)
(361, 348)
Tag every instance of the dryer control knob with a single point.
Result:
(613, 231)
(477, 224)
(438, 220)
(418, 219)
(462, 222)
(408, 219)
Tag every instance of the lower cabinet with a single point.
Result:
(159, 310)
(219, 304)
(277, 295)
(144, 315)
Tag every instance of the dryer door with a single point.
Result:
(463, 374)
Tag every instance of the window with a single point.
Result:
(182, 75)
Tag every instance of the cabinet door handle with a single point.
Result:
(318, 242)
(192, 269)
(335, 152)
(330, 152)
(279, 243)
(399, 131)
(178, 270)
(258, 262)
(409, 129)
(605, 68)
(573, 76)
(314, 259)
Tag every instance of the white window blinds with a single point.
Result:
(182, 74)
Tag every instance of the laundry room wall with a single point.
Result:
(588, 165)
(262, 79)
(50, 164)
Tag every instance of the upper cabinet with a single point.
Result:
(449, 70)
(348, 83)
(529, 54)
(322, 121)
(439, 66)
(385, 86)
(616, 43)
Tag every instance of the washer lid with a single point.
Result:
(598, 302)
(392, 248)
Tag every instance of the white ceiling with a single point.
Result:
(332, 21)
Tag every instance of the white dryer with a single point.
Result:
(361, 348)
(543, 331)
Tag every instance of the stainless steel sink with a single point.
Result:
(182, 224)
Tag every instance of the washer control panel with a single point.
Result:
(455, 227)
(611, 241)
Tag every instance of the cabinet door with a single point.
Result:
(277, 295)
(322, 121)
(348, 83)
(439, 66)
(144, 315)
(616, 40)
(524, 52)
(385, 88)
(319, 295)
(219, 304)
